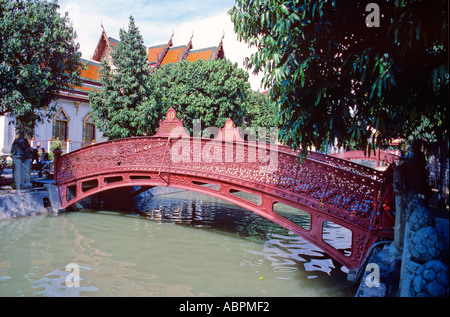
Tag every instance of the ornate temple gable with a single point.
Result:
(186, 50)
(103, 47)
(219, 53)
(157, 53)
(229, 132)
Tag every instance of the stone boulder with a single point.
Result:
(430, 280)
(427, 244)
(420, 218)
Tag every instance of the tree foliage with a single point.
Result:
(38, 58)
(335, 78)
(212, 91)
(124, 107)
(260, 111)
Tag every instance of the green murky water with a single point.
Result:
(180, 244)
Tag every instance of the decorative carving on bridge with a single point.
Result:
(229, 132)
(171, 126)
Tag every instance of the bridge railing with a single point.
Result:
(385, 156)
(340, 162)
(351, 192)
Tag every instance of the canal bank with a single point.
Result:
(382, 260)
(23, 202)
(16, 203)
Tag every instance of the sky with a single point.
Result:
(206, 20)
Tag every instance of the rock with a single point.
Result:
(23, 203)
(415, 202)
(421, 218)
(426, 245)
(431, 280)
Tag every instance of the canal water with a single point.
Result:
(178, 244)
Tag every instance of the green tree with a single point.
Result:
(38, 58)
(261, 112)
(335, 78)
(212, 91)
(124, 107)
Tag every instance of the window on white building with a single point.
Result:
(88, 130)
(61, 125)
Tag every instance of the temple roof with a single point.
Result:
(205, 53)
(154, 52)
(91, 71)
(173, 55)
(90, 79)
(161, 54)
(158, 55)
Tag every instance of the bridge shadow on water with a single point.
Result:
(187, 208)
(204, 212)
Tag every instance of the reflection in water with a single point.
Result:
(181, 244)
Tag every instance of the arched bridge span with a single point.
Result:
(326, 188)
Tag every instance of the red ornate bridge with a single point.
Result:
(325, 188)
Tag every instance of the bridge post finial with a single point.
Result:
(56, 156)
(171, 126)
